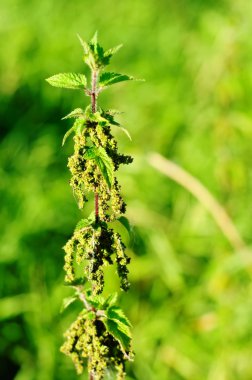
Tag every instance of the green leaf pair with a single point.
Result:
(94, 55)
(118, 325)
(113, 318)
(107, 119)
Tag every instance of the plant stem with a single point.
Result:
(96, 207)
(94, 109)
(94, 91)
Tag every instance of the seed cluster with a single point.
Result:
(87, 175)
(89, 343)
(96, 246)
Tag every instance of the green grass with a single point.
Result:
(190, 300)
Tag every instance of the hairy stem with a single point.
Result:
(96, 207)
(94, 109)
(94, 91)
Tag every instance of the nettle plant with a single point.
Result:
(100, 337)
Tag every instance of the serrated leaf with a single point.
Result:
(103, 161)
(120, 332)
(85, 222)
(103, 121)
(78, 112)
(66, 302)
(94, 39)
(77, 128)
(115, 312)
(82, 224)
(79, 124)
(96, 301)
(84, 44)
(110, 119)
(88, 110)
(109, 78)
(106, 166)
(72, 81)
(90, 153)
(113, 112)
(111, 300)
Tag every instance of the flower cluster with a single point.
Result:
(89, 343)
(88, 169)
(96, 246)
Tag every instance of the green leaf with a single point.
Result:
(106, 166)
(68, 80)
(115, 312)
(111, 300)
(67, 134)
(84, 44)
(113, 112)
(125, 222)
(110, 52)
(82, 224)
(126, 132)
(103, 161)
(110, 119)
(120, 332)
(77, 282)
(94, 39)
(93, 53)
(85, 222)
(79, 125)
(66, 302)
(96, 301)
(91, 315)
(88, 110)
(77, 128)
(77, 113)
(90, 153)
(103, 121)
(108, 78)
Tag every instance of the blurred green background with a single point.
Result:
(191, 295)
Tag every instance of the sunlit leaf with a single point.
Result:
(120, 332)
(115, 312)
(78, 112)
(68, 80)
(67, 134)
(66, 302)
(111, 300)
(109, 78)
(110, 52)
(86, 222)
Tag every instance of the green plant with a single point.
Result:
(100, 336)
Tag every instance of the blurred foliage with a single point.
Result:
(190, 301)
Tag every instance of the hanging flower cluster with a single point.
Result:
(100, 337)
(98, 246)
